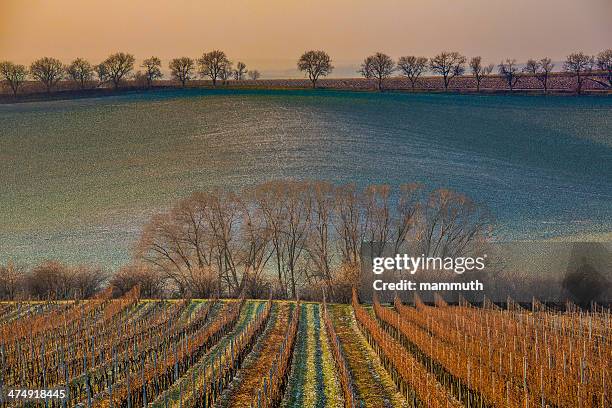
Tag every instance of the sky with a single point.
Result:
(269, 35)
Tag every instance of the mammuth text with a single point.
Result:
(406, 285)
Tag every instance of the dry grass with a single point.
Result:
(373, 384)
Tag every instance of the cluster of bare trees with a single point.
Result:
(50, 280)
(299, 236)
(284, 237)
(119, 67)
(55, 280)
(449, 65)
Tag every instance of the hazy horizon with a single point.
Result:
(269, 35)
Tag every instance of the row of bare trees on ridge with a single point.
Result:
(449, 65)
(216, 66)
(119, 67)
(287, 238)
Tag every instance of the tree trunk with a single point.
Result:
(293, 292)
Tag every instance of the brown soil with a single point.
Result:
(253, 374)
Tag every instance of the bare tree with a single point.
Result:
(116, 67)
(204, 283)
(350, 224)
(182, 69)
(224, 218)
(320, 243)
(12, 281)
(240, 71)
(254, 75)
(453, 225)
(315, 64)
(226, 73)
(270, 199)
(101, 71)
(179, 242)
(298, 213)
(449, 65)
(379, 66)
(479, 71)
(54, 280)
(80, 71)
(256, 250)
(580, 66)
(540, 70)
(152, 68)
(150, 281)
(405, 221)
(604, 63)
(212, 64)
(510, 72)
(49, 280)
(412, 67)
(13, 74)
(87, 281)
(377, 214)
(47, 70)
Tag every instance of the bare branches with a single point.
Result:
(213, 64)
(254, 75)
(182, 69)
(412, 67)
(604, 63)
(54, 280)
(378, 66)
(452, 225)
(12, 281)
(315, 64)
(47, 70)
(510, 72)
(115, 68)
(13, 74)
(580, 66)
(240, 71)
(80, 71)
(541, 70)
(152, 68)
(149, 280)
(449, 65)
(479, 71)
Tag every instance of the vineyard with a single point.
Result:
(130, 352)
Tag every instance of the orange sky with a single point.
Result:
(270, 34)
